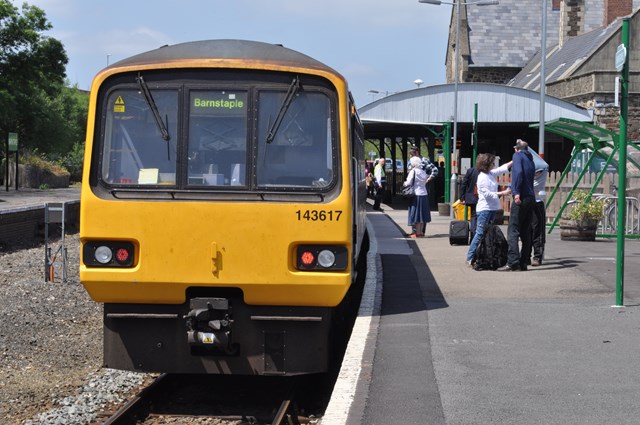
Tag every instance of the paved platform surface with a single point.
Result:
(439, 343)
(25, 198)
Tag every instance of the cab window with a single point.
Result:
(217, 142)
(300, 152)
(134, 151)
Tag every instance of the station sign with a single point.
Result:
(13, 142)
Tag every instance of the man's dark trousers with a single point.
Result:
(520, 229)
(539, 230)
(379, 194)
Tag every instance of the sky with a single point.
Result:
(378, 45)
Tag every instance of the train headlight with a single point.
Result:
(108, 254)
(103, 254)
(326, 258)
(322, 257)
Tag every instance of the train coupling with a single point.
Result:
(209, 324)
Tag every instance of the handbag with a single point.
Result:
(409, 192)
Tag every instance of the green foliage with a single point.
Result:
(73, 161)
(586, 208)
(34, 100)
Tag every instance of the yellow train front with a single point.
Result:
(221, 208)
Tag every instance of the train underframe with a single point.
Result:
(215, 332)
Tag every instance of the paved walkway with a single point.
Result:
(25, 198)
(446, 344)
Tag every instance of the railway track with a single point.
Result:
(225, 400)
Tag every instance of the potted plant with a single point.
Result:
(581, 222)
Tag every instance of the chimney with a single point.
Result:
(616, 8)
(572, 19)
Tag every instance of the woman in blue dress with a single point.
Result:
(419, 211)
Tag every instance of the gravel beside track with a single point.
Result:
(51, 344)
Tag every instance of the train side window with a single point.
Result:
(134, 151)
(217, 137)
(300, 154)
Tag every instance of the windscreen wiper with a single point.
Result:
(152, 105)
(294, 88)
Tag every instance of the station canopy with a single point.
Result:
(591, 140)
(404, 112)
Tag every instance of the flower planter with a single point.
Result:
(572, 230)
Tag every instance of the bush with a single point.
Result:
(39, 161)
(586, 208)
(73, 162)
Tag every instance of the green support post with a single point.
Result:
(446, 148)
(622, 167)
(475, 135)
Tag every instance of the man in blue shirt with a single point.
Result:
(522, 174)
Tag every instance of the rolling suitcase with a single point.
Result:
(459, 232)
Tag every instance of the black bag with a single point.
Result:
(408, 192)
(491, 253)
(459, 232)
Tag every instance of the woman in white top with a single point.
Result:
(488, 197)
(419, 211)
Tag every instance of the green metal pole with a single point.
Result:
(475, 134)
(622, 168)
(446, 148)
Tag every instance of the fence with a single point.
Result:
(606, 187)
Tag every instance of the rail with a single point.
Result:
(609, 222)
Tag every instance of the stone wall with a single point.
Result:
(34, 177)
(490, 75)
(26, 226)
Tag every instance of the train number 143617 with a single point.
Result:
(318, 215)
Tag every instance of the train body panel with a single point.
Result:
(222, 208)
(218, 244)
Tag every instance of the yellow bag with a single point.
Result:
(458, 211)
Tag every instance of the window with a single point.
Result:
(134, 151)
(300, 154)
(217, 126)
(217, 138)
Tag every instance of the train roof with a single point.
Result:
(225, 49)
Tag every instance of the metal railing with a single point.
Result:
(609, 222)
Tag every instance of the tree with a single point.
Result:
(32, 80)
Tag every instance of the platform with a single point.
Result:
(439, 343)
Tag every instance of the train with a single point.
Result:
(222, 213)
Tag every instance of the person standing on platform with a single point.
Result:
(539, 218)
(429, 168)
(488, 198)
(469, 196)
(380, 183)
(524, 200)
(419, 212)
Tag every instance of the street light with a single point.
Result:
(457, 4)
(418, 82)
(373, 94)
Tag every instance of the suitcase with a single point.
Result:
(459, 232)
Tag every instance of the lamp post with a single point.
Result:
(457, 3)
(543, 82)
(373, 94)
